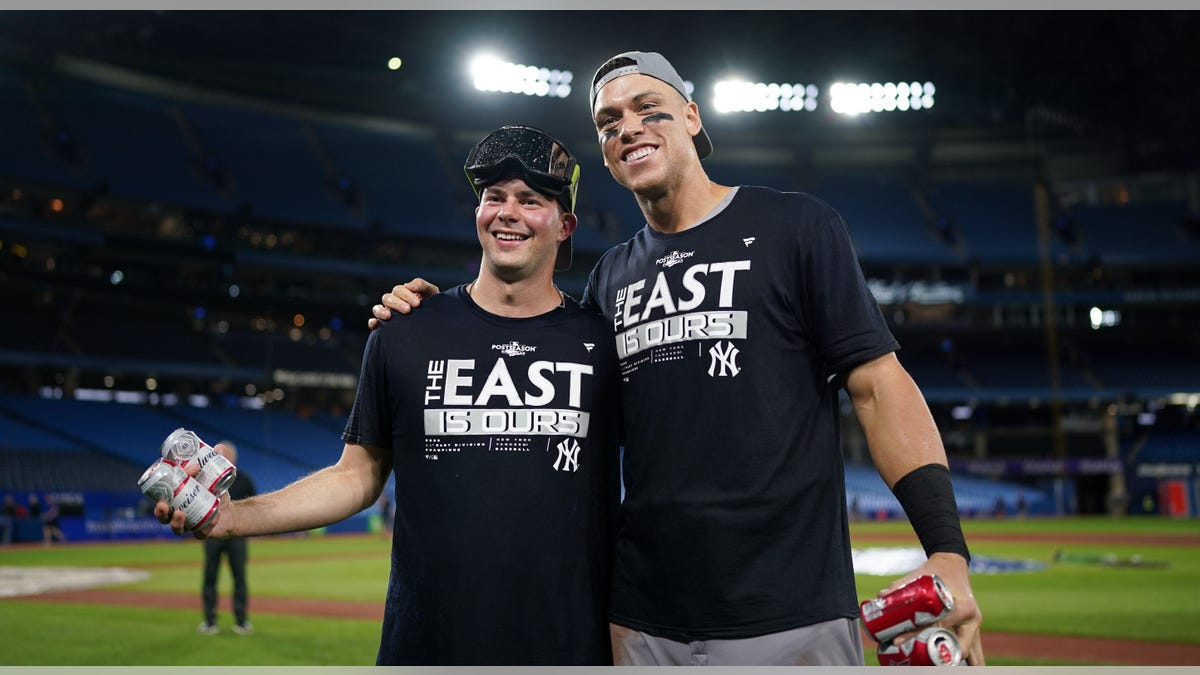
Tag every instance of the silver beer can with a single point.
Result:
(160, 480)
(184, 448)
(164, 481)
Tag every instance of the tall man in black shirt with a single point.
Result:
(738, 313)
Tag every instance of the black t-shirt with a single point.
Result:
(731, 336)
(503, 434)
(243, 486)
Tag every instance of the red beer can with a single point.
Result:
(931, 647)
(920, 602)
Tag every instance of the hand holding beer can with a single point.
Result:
(185, 449)
(918, 603)
(164, 481)
(933, 646)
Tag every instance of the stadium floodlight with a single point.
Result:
(394, 63)
(854, 98)
(1103, 317)
(745, 96)
(490, 73)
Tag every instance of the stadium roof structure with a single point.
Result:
(1127, 77)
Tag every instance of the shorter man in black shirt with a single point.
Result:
(497, 411)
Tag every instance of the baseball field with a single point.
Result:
(1104, 592)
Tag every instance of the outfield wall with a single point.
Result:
(112, 516)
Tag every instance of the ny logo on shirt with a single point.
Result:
(727, 357)
(568, 455)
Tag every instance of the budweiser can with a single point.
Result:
(164, 481)
(185, 449)
(920, 602)
(931, 647)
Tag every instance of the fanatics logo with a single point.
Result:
(589, 346)
(514, 348)
(674, 258)
(747, 241)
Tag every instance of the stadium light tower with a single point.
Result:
(855, 98)
(744, 96)
(491, 73)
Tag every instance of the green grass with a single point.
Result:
(146, 636)
(341, 568)
(335, 568)
(1101, 525)
(1065, 599)
(1075, 598)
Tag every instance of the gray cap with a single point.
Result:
(654, 65)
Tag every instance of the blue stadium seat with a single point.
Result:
(75, 470)
(883, 217)
(25, 153)
(1171, 446)
(1144, 372)
(17, 435)
(974, 495)
(776, 177)
(406, 187)
(996, 218)
(270, 350)
(272, 166)
(1140, 233)
(110, 332)
(129, 432)
(278, 434)
(275, 448)
(35, 334)
(133, 145)
(605, 205)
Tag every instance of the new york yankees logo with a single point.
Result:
(727, 357)
(568, 455)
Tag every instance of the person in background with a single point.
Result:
(235, 550)
(51, 527)
(8, 518)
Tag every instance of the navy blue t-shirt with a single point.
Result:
(731, 336)
(503, 435)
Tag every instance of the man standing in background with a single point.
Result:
(235, 549)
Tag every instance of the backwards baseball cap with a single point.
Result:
(534, 156)
(654, 65)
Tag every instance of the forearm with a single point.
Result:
(907, 450)
(319, 499)
(901, 434)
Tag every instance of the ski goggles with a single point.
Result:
(539, 158)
